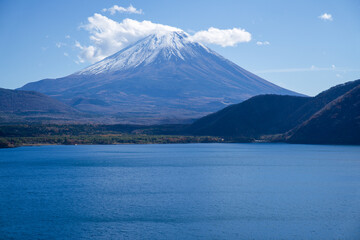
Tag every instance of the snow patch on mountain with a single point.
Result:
(157, 47)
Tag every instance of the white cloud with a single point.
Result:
(66, 54)
(326, 17)
(222, 37)
(262, 43)
(119, 9)
(67, 36)
(60, 44)
(88, 53)
(108, 36)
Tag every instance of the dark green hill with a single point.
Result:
(17, 105)
(336, 123)
(267, 114)
(263, 114)
(320, 100)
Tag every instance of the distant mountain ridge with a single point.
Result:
(17, 105)
(331, 117)
(161, 78)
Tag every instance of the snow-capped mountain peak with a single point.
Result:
(162, 46)
(162, 77)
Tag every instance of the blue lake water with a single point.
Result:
(180, 191)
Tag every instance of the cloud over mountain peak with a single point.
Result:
(108, 36)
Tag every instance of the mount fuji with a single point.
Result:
(165, 77)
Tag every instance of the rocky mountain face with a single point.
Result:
(163, 78)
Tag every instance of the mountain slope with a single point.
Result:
(320, 101)
(336, 123)
(263, 114)
(163, 77)
(17, 105)
(268, 114)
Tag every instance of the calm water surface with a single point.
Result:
(189, 191)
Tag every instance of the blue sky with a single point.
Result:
(299, 51)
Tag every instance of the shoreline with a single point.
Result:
(13, 142)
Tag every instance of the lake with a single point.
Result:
(180, 191)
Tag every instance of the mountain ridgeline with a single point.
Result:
(263, 114)
(29, 106)
(163, 78)
(336, 123)
(167, 78)
(331, 117)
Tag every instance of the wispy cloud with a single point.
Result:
(120, 9)
(308, 69)
(339, 75)
(259, 43)
(88, 53)
(60, 44)
(108, 36)
(326, 17)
